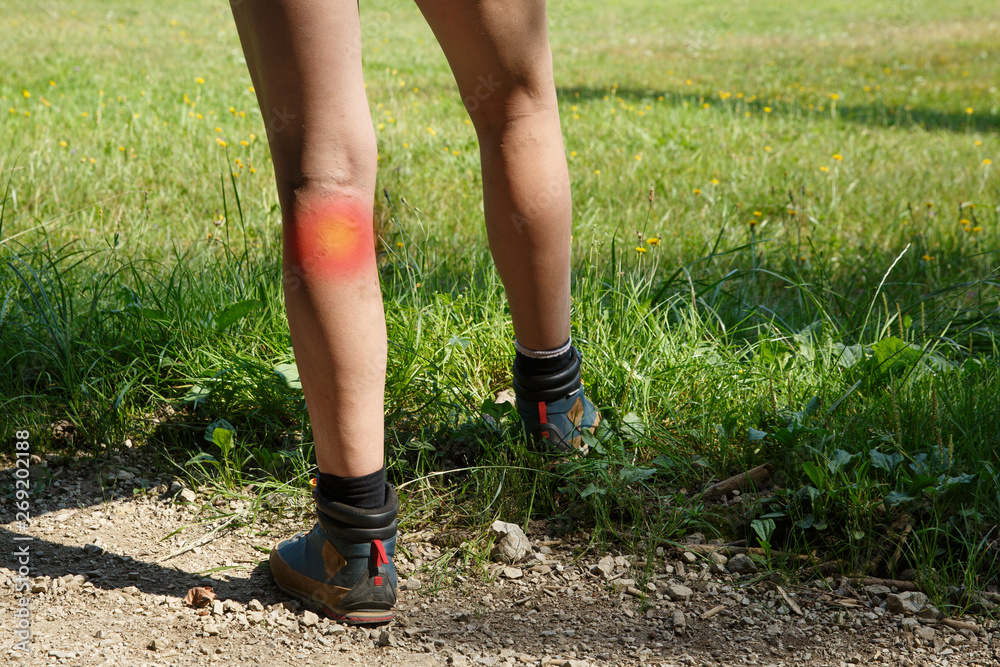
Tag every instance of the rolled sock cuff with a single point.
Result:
(544, 354)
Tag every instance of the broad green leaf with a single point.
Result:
(772, 352)
(633, 427)
(839, 460)
(764, 528)
(887, 462)
(630, 474)
(849, 355)
(894, 498)
(234, 313)
(892, 355)
(753, 435)
(197, 395)
(590, 490)
(815, 474)
(217, 424)
(290, 374)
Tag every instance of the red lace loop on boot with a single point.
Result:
(380, 557)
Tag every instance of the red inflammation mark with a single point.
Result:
(331, 239)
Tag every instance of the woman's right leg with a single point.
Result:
(304, 58)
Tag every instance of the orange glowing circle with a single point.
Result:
(332, 239)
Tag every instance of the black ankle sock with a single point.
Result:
(531, 367)
(365, 492)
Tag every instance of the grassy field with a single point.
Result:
(785, 252)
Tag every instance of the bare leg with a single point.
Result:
(305, 61)
(499, 53)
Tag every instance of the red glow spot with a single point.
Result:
(332, 239)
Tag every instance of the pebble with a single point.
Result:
(925, 632)
(909, 602)
(741, 564)
(679, 621)
(605, 567)
(689, 558)
(679, 593)
(255, 605)
(621, 585)
(157, 644)
(386, 638)
(513, 572)
(186, 496)
(412, 584)
(309, 619)
(512, 545)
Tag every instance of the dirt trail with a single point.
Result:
(109, 589)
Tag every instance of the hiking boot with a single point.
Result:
(553, 408)
(344, 564)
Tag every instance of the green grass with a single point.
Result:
(823, 296)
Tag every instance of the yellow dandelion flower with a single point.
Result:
(834, 97)
(63, 144)
(252, 136)
(767, 149)
(752, 222)
(27, 113)
(218, 129)
(987, 162)
(838, 157)
(868, 89)
(640, 249)
(969, 110)
(26, 93)
(790, 211)
(926, 258)
(977, 142)
(824, 169)
(52, 83)
(758, 214)
(887, 70)
(406, 145)
(653, 241)
(638, 158)
(84, 114)
(706, 105)
(219, 141)
(964, 221)
(767, 109)
(430, 130)
(244, 142)
(597, 172)
(572, 153)
(977, 228)
(121, 149)
(199, 116)
(697, 191)
(930, 204)
(715, 181)
(687, 82)
(199, 80)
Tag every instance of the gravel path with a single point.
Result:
(109, 571)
